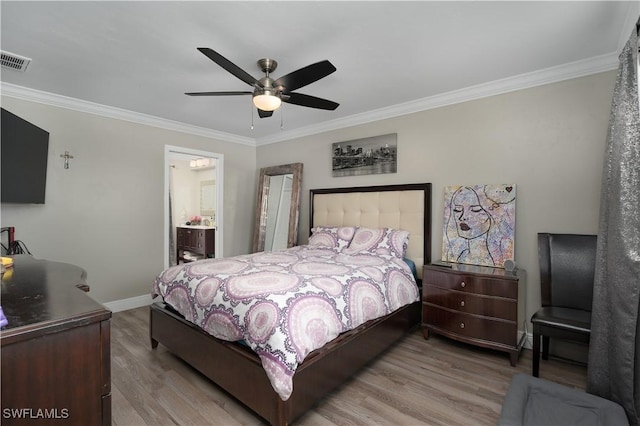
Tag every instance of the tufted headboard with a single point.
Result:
(406, 207)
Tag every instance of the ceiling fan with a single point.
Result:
(268, 94)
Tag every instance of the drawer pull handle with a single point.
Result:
(463, 284)
(462, 303)
(461, 325)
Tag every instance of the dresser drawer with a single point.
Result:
(470, 326)
(471, 303)
(469, 283)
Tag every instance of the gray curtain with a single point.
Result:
(614, 352)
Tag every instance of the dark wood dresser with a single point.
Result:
(56, 356)
(475, 304)
(195, 240)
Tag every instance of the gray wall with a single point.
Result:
(106, 212)
(548, 140)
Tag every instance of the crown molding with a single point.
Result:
(555, 74)
(567, 71)
(24, 93)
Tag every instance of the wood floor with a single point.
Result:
(434, 382)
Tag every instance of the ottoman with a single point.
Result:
(533, 401)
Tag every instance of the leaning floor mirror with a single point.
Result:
(278, 209)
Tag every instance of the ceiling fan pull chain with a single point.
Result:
(281, 113)
(251, 116)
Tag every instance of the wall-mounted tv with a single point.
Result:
(23, 161)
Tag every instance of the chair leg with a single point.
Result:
(545, 347)
(536, 354)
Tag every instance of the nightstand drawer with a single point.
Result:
(471, 303)
(470, 326)
(478, 284)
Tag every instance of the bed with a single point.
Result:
(233, 365)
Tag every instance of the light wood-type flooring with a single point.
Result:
(433, 382)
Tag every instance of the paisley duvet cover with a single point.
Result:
(285, 304)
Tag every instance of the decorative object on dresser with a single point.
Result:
(475, 304)
(56, 355)
(239, 370)
(479, 224)
(196, 240)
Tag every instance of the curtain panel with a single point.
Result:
(614, 352)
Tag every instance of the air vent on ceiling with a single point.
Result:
(13, 61)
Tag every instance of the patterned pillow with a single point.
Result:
(383, 240)
(333, 238)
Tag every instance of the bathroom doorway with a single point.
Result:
(193, 199)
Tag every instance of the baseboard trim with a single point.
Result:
(528, 343)
(130, 303)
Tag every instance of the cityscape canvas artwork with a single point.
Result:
(479, 224)
(377, 154)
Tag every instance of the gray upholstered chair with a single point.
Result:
(536, 402)
(567, 268)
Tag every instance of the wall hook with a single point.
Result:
(66, 157)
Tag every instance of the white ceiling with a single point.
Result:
(391, 57)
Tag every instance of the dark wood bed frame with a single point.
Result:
(238, 370)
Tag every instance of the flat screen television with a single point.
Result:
(23, 161)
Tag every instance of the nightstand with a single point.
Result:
(479, 305)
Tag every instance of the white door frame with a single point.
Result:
(170, 149)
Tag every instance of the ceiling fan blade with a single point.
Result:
(229, 66)
(307, 75)
(264, 114)
(217, 93)
(309, 101)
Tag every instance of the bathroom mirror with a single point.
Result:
(278, 209)
(207, 198)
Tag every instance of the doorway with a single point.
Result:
(193, 189)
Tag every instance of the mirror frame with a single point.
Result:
(204, 186)
(263, 195)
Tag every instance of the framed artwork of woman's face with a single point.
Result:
(479, 224)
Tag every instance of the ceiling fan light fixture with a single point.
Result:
(267, 101)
